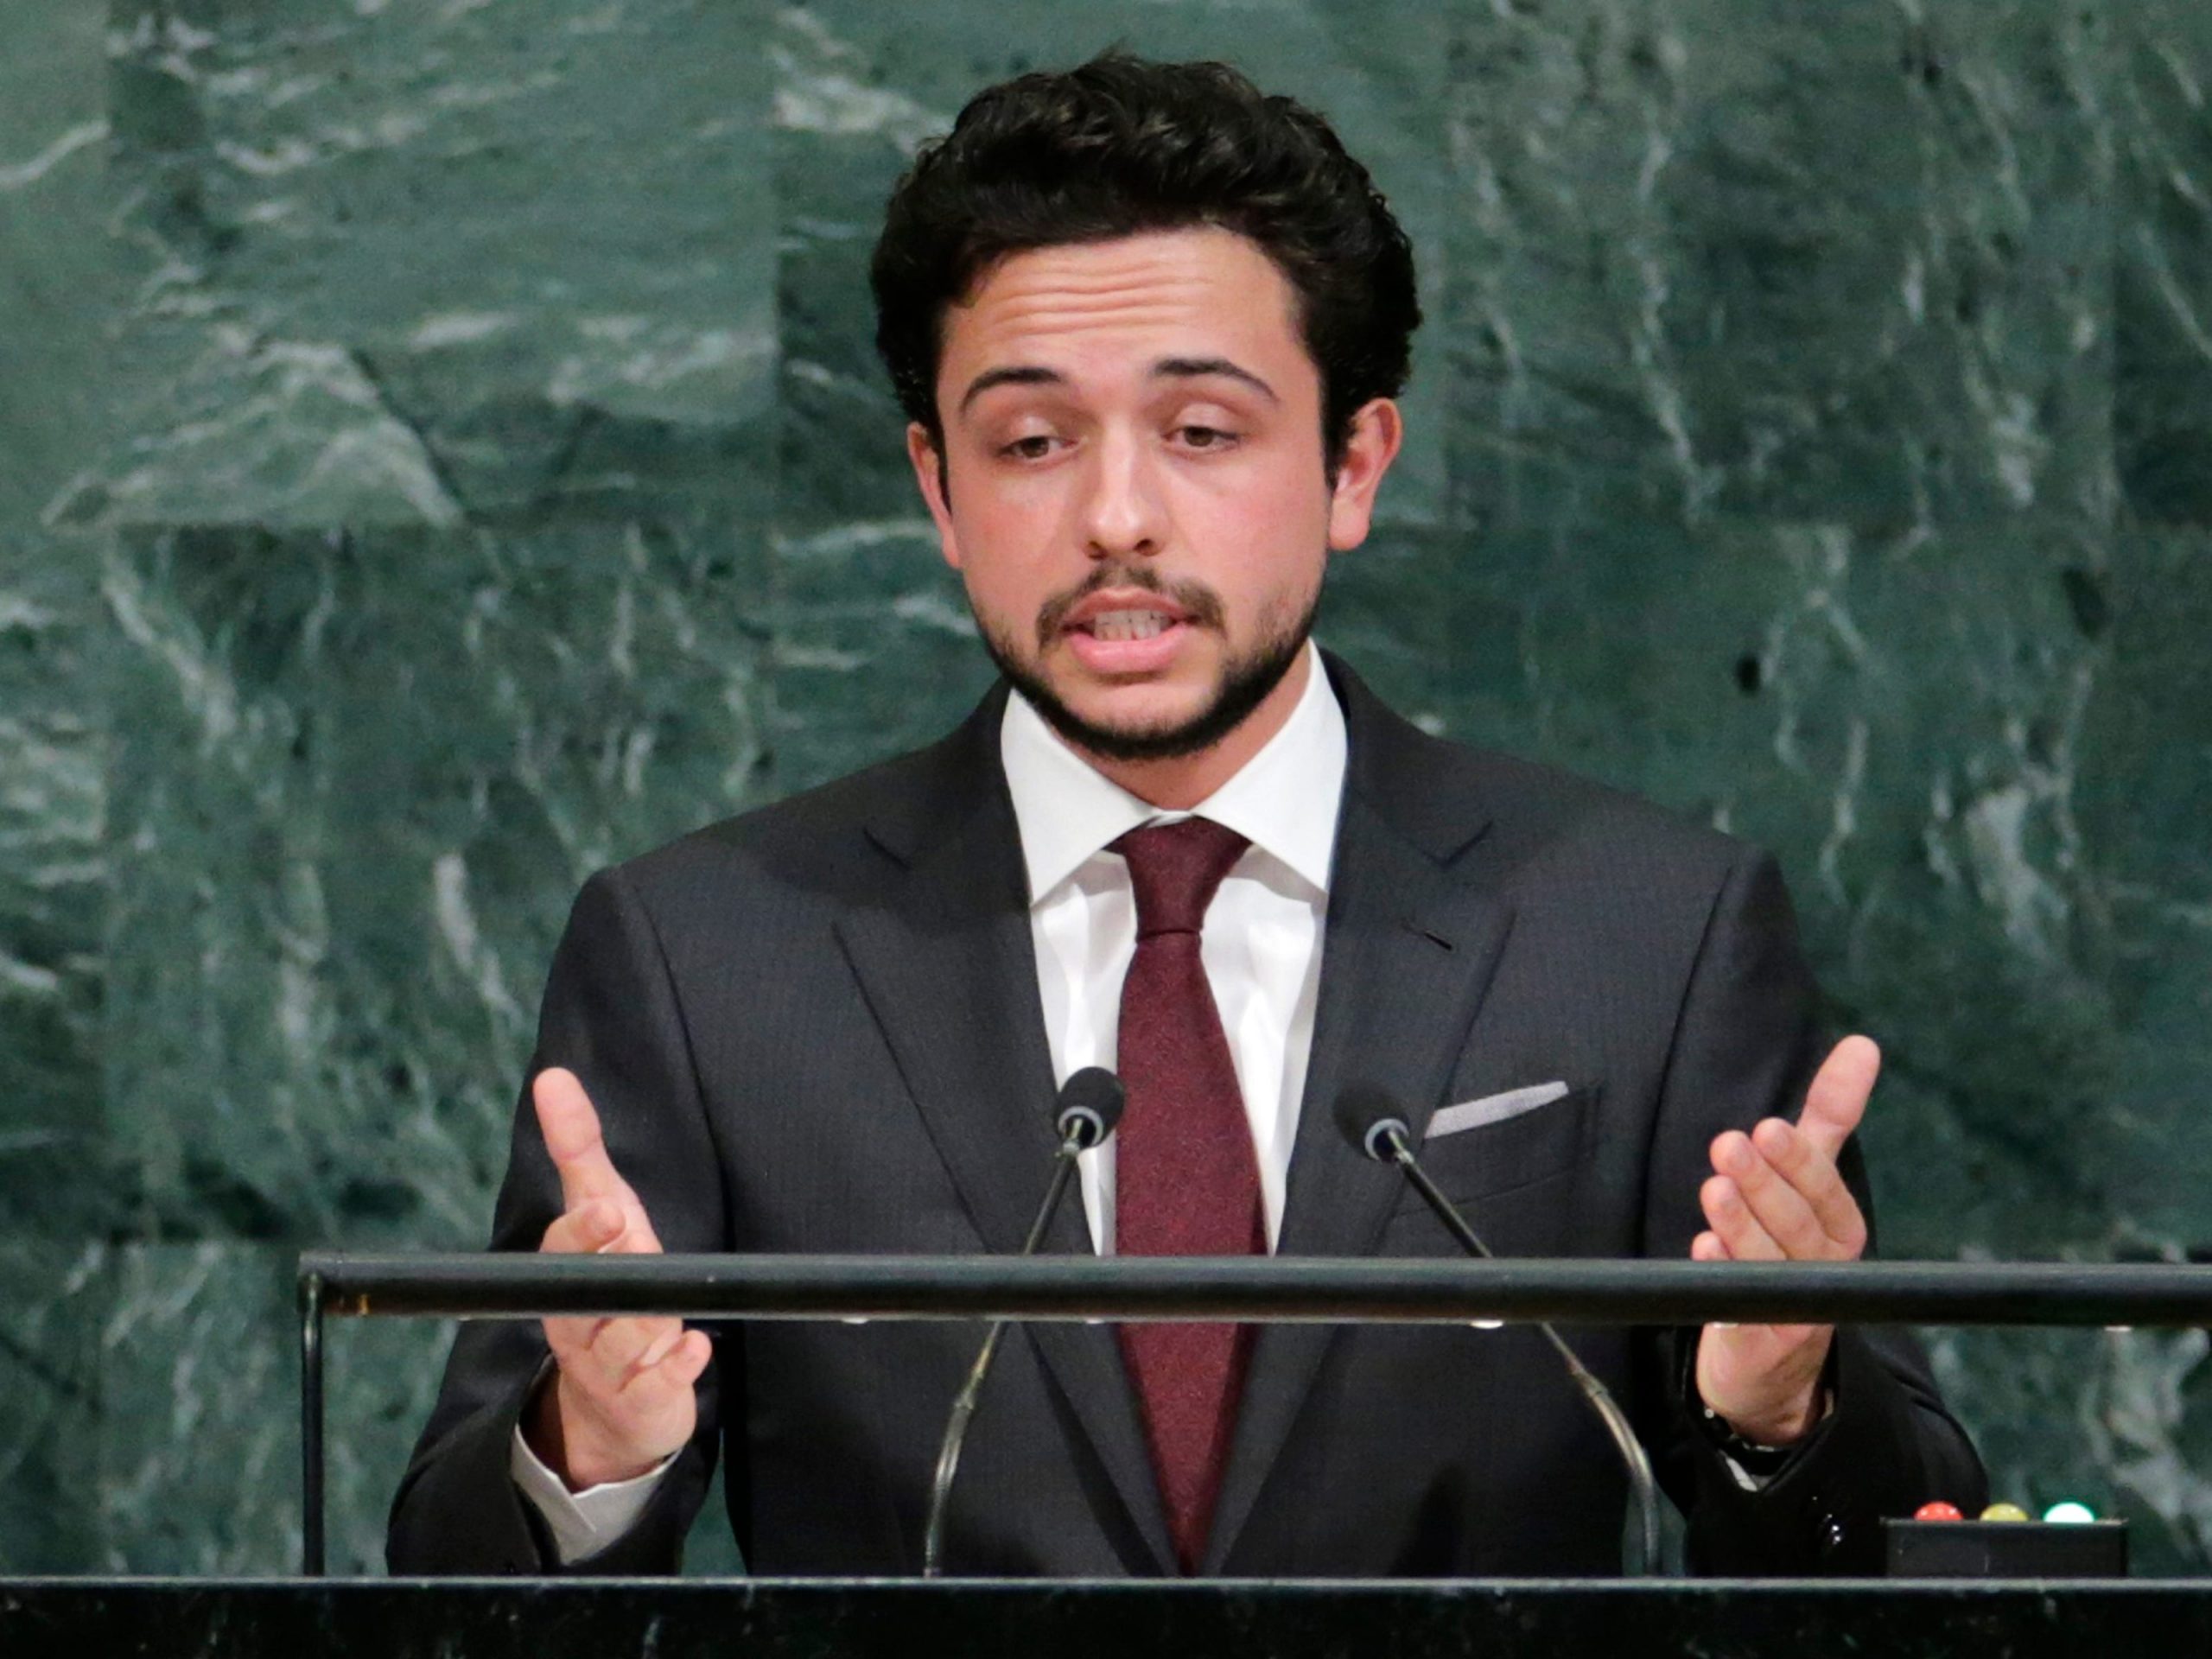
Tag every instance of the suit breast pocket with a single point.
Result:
(1515, 1151)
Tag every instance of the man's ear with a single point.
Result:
(1377, 431)
(929, 475)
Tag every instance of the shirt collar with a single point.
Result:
(1284, 800)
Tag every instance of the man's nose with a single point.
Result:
(1123, 513)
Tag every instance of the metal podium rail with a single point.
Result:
(1259, 1290)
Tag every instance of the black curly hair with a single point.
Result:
(1120, 145)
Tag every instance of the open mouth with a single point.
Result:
(1126, 639)
(1117, 625)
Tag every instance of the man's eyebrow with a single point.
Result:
(1175, 368)
(1192, 368)
(1020, 374)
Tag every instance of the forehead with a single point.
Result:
(1198, 292)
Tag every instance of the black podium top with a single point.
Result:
(982, 1619)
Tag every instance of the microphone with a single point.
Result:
(1086, 1112)
(1370, 1119)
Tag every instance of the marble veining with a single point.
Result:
(444, 453)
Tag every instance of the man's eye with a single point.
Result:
(1034, 448)
(1204, 437)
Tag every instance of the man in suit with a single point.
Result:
(1148, 325)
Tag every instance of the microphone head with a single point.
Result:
(1090, 1107)
(1367, 1114)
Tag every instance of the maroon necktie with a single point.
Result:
(1185, 1180)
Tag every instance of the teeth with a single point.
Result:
(1128, 624)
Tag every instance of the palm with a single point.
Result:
(1777, 1195)
(625, 1398)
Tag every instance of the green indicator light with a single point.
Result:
(2069, 1514)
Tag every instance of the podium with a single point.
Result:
(665, 1618)
(985, 1619)
(1308, 1290)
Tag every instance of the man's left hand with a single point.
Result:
(1776, 1195)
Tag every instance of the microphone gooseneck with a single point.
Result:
(1088, 1109)
(1370, 1119)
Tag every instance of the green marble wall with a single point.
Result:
(441, 452)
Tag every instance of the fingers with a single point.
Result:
(604, 1356)
(655, 1350)
(1837, 1100)
(624, 1398)
(1735, 1225)
(1768, 1197)
(571, 1126)
(601, 1351)
(618, 1350)
(1776, 1193)
(601, 1226)
(584, 1231)
(1774, 1198)
(671, 1372)
(626, 1395)
(1736, 1234)
(1811, 1172)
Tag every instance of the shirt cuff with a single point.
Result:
(1744, 1478)
(583, 1523)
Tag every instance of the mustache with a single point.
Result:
(1197, 601)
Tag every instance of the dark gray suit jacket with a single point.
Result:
(815, 1027)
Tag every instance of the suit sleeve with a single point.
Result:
(610, 1016)
(1746, 1044)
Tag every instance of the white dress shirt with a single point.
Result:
(1261, 942)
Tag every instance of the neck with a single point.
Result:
(1180, 782)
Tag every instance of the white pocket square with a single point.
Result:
(1493, 1109)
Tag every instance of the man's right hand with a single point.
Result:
(621, 1399)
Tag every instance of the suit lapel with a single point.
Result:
(1408, 950)
(949, 973)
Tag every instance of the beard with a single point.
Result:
(1244, 682)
